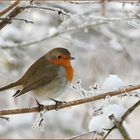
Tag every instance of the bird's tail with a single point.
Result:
(10, 86)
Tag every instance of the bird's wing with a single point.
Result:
(34, 69)
(36, 84)
(40, 73)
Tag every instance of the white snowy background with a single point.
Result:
(106, 54)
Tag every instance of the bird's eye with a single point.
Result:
(59, 57)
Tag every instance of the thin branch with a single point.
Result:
(99, 1)
(16, 11)
(84, 134)
(109, 131)
(130, 110)
(120, 127)
(5, 118)
(58, 10)
(99, 21)
(7, 9)
(20, 19)
(53, 35)
(71, 103)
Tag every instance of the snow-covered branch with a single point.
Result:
(97, 21)
(57, 10)
(71, 103)
(119, 124)
(17, 19)
(16, 11)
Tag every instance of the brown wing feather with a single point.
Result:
(36, 84)
(32, 69)
(41, 74)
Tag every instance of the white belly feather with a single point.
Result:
(53, 89)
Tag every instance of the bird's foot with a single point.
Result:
(40, 106)
(57, 103)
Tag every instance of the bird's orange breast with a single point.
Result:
(69, 72)
(67, 65)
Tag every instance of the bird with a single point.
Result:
(48, 77)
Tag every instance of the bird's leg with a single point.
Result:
(57, 103)
(40, 106)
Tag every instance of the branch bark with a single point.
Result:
(7, 9)
(120, 127)
(130, 110)
(71, 103)
(17, 10)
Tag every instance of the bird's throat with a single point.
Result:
(69, 72)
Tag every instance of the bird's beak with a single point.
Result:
(71, 58)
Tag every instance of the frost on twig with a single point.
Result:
(17, 19)
(5, 118)
(40, 120)
(73, 24)
(62, 13)
(101, 95)
(110, 117)
(93, 90)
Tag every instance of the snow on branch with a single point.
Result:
(117, 125)
(16, 10)
(58, 10)
(71, 103)
(18, 19)
(94, 21)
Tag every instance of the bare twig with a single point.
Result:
(52, 36)
(130, 110)
(99, 1)
(109, 131)
(71, 103)
(7, 9)
(99, 21)
(84, 134)
(16, 11)
(5, 118)
(120, 127)
(58, 10)
(20, 19)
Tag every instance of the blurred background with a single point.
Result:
(104, 39)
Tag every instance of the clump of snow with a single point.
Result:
(116, 109)
(113, 82)
(116, 105)
(98, 123)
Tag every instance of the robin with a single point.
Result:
(48, 77)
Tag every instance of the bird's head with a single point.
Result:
(59, 56)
